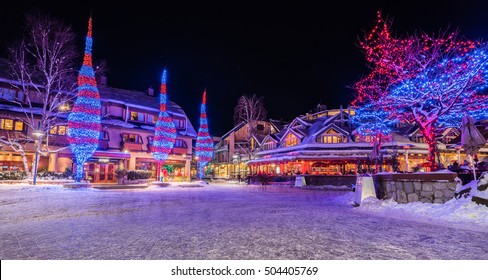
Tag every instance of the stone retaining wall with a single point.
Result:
(310, 180)
(423, 187)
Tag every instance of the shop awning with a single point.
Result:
(284, 159)
(109, 154)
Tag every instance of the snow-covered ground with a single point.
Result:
(458, 213)
(221, 221)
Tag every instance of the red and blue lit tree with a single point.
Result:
(439, 96)
(84, 119)
(373, 123)
(165, 130)
(204, 145)
(423, 80)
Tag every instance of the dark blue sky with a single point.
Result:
(294, 56)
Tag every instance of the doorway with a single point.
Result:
(106, 173)
(100, 172)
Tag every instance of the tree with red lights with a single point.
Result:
(425, 80)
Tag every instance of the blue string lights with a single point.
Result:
(165, 130)
(84, 119)
(204, 145)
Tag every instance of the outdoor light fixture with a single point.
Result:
(406, 147)
(38, 134)
(458, 153)
(63, 107)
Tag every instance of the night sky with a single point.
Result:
(294, 56)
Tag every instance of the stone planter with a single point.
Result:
(428, 187)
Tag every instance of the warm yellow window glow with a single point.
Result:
(290, 140)
(8, 124)
(58, 130)
(19, 126)
(331, 137)
(61, 130)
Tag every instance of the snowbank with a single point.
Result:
(460, 213)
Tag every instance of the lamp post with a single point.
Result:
(458, 153)
(38, 134)
(236, 162)
(406, 147)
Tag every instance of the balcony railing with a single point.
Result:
(176, 150)
(130, 146)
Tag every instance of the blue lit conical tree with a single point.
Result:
(84, 119)
(165, 130)
(204, 145)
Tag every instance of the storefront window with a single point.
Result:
(8, 124)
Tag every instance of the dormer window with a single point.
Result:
(331, 137)
(290, 140)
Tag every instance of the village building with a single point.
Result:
(326, 143)
(238, 146)
(128, 121)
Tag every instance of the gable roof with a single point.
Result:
(299, 120)
(259, 138)
(271, 137)
(235, 128)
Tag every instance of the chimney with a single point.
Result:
(103, 81)
(150, 91)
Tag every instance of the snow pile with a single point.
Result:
(460, 187)
(31, 188)
(483, 182)
(147, 127)
(456, 212)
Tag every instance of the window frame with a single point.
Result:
(13, 126)
(138, 137)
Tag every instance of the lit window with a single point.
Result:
(138, 117)
(58, 130)
(61, 130)
(330, 137)
(290, 140)
(19, 126)
(7, 124)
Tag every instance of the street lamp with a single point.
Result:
(458, 153)
(38, 134)
(406, 147)
(236, 161)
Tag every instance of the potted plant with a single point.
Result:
(120, 174)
